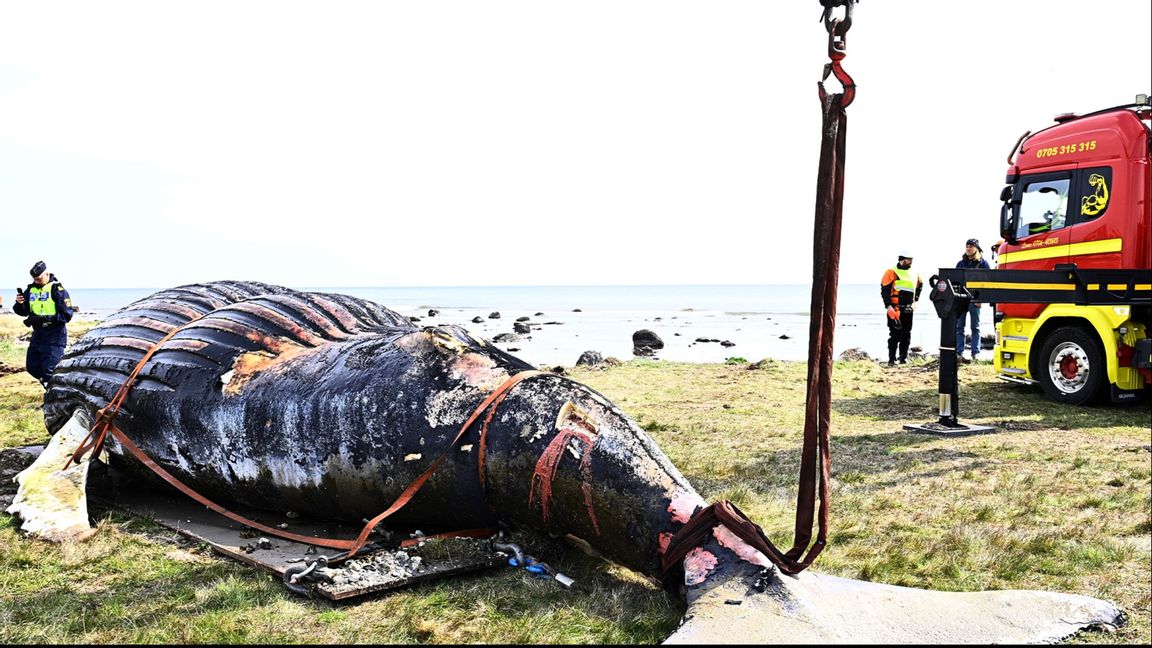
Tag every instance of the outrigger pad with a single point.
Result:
(959, 430)
(366, 573)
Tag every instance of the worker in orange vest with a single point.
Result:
(900, 288)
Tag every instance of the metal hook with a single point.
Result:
(836, 25)
(296, 577)
(837, 50)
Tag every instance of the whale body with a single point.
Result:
(332, 405)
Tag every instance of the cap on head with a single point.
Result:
(38, 269)
(974, 243)
(905, 254)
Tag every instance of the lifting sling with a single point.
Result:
(816, 462)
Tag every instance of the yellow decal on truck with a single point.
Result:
(1051, 240)
(1094, 204)
(1066, 149)
(1075, 249)
(1067, 287)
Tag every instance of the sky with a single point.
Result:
(492, 142)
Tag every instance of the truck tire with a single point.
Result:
(1071, 366)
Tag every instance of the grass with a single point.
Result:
(1057, 499)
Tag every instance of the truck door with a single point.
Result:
(1042, 232)
(1098, 230)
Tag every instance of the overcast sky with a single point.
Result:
(150, 144)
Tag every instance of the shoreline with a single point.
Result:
(694, 337)
(759, 321)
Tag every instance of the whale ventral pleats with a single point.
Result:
(219, 324)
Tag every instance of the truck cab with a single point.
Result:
(1077, 197)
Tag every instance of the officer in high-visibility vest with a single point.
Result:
(47, 309)
(900, 288)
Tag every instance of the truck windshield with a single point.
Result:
(1043, 207)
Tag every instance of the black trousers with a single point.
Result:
(42, 359)
(899, 333)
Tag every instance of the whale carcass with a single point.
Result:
(333, 405)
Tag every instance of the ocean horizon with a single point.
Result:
(760, 321)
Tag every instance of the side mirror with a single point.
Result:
(1008, 223)
(1008, 215)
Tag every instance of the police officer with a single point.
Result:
(47, 309)
(900, 288)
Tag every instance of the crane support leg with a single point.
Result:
(950, 300)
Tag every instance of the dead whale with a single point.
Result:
(332, 405)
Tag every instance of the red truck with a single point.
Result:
(1077, 198)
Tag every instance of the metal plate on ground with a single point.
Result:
(950, 431)
(379, 571)
(382, 570)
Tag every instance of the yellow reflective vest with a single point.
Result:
(904, 283)
(40, 300)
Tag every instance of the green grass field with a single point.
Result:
(1059, 499)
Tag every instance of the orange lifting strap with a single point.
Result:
(104, 425)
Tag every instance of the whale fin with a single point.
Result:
(50, 501)
(817, 608)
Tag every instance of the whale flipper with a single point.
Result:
(51, 500)
(822, 609)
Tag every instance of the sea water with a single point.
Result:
(760, 321)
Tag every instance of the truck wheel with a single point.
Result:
(1071, 366)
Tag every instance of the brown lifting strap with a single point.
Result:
(815, 462)
(498, 393)
(104, 425)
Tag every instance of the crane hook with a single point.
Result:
(837, 50)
